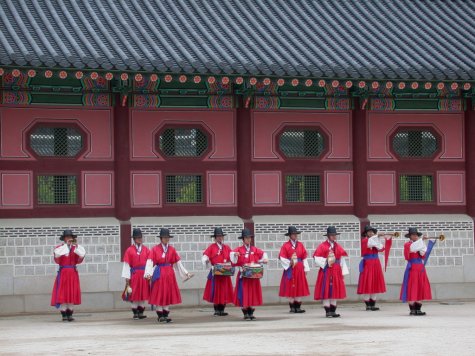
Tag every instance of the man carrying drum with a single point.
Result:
(415, 286)
(293, 258)
(371, 279)
(219, 286)
(164, 289)
(137, 289)
(67, 289)
(248, 291)
(330, 286)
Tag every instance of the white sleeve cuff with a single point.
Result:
(417, 246)
(264, 258)
(320, 261)
(148, 268)
(375, 241)
(181, 269)
(234, 256)
(306, 267)
(285, 262)
(204, 260)
(61, 250)
(126, 270)
(80, 251)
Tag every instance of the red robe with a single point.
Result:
(371, 280)
(294, 281)
(219, 289)
(67, 288)
(418, 287)
(164, 290)
(330, 282)
(251, 291)
(140, 286)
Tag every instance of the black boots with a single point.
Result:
(412, 309)
(371, 305)
(295, 307)
(417, 309)
(64, 315)
(248, 313)
(69, 315)
(136, 313)
(245, 312)
(219, 310)
(163, 316)
(140, 311)
(330, 312)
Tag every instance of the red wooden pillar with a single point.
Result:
(244, 174)
(360, 184)
(122, 172)
(470, 156)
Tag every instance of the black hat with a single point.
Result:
(245, 233)
(413, 230)
(218, 231)
(67, 233)
(369, 228)
(292, 230)
(331, 230)
(136, 233)
(164, 232)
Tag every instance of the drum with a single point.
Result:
(223, 269)
(252, 271)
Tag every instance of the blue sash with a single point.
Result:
(133, 269)
(240, 288)
(405, 281)
(156, 273)
(373, 256)
(211, 277)
(288, 272)
(324, 283)
(58, 281)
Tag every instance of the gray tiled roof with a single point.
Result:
(398, 39)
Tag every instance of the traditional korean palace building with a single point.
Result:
(195, 114)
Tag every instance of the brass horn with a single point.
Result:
(440, 238)
(394, 234)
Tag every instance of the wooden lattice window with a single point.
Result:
(184, 189)
(301, 143)
(183, 142)
(47, 141)
(302, 189)
(57, 190)
(412, 143)
(414, 188)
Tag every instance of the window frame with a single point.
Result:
(319, 128)
(37, 204)
(418, 202)
(312, 203)
(165, 189)
(430, 129)
(82, 132)
(197, 126)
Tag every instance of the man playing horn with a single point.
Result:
(293, 258)
(67, 289)
(415, 286)
(371, 279)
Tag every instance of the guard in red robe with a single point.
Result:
(330, 286)
(67, 289)
(159, 269)
(248, 291)
(415, 286)
(137, 288)
(219, 289)
(293, 258)
(371, 280)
